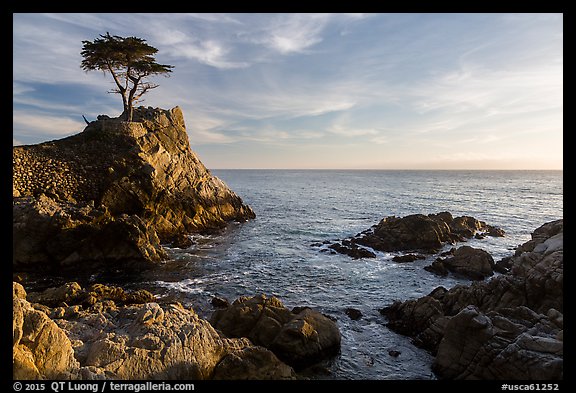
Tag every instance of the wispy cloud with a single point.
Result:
(31, 123)
(401, 86)
(296, 33)
(209, 52)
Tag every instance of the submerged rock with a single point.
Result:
(110, 195)
(299, 339)
(510, 327)
(407, 258)
(353, 313)
(352, 250)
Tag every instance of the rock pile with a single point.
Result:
(416, 232)
(425, 234)
(300, 337)
(105, 332)
(510, 327)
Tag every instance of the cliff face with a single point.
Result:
(137, 183)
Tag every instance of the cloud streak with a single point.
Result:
(376, 85)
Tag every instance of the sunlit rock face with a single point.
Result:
(114, 193)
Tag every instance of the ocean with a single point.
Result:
(274, 254)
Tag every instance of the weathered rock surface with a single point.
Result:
(252, 363)
(62, 235)
(299, 338)
(105, 332)
(112, 193)
(40, 349)
(511, 343)
(417, 232)
(472, 263)
(510, 327)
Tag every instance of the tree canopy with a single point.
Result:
(130, 61)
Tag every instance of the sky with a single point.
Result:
(316, 91)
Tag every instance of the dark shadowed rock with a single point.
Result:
(73, 294)
(219, 302)
(353, 313)
(182, 241)
(352, 250)
(416, 232)
(298, 339)
(407, 258)
(509, 327)
(252, 363)
(511, 343)
(472, 263)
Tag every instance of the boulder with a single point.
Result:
(40, 349)
(412, 316)
(414, 232)
(299, 339)
(466, 261)
(252, 363)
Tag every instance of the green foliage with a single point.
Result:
(130, 60)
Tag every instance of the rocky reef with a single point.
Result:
(112, 194)
(416, 232)
(509, 327)
(419, 234)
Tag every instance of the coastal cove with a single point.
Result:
(273, 254)
(322, 198)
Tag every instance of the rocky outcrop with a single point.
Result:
(300, 337)
(466, 261)
(511, 343)
(61, 236)
(104, 332)
(417, 232)
(40, 349)
(112, 193)
(510, 327)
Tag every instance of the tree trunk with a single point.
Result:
(127, 109)
(130, 111)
